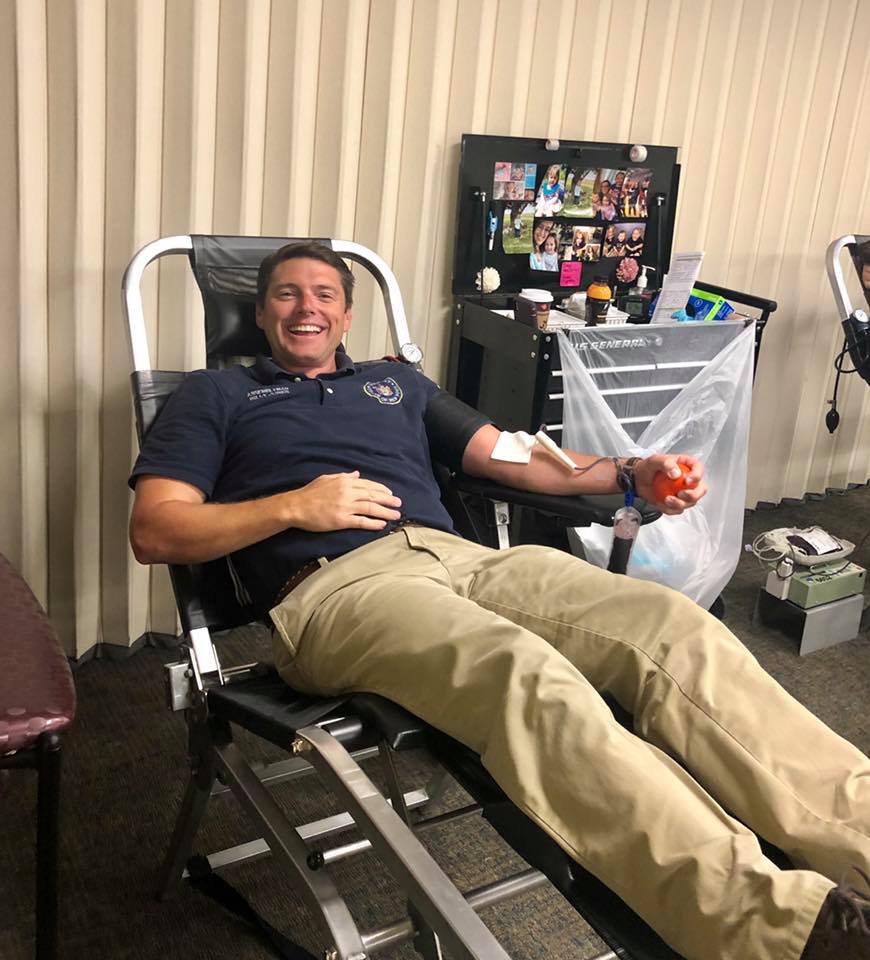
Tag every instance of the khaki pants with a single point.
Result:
(505, 652)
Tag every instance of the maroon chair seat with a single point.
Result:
(37, 704)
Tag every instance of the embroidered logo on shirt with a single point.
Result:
(271, 391)
(384, 391)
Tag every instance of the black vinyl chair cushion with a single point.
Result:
(264, 704)
(225, 269)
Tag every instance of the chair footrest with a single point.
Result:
(264, 704)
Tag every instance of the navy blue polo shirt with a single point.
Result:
(249, 432)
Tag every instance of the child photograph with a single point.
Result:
(585, 244)
(579, 192)
(633, 201)
(545, 246)
(633, 234)
(499, 189)
(603, 202)
(502, 171)
(608, 242)
(513, 181)
(516, 231)
(616, 179)
(551, 193)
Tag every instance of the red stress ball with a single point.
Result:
(664, 486)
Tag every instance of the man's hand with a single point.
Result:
(341, 501)
(669, 464)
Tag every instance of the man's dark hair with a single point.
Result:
(308, 250)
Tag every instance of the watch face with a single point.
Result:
(411, 352)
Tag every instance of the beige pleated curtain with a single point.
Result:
(125, 120)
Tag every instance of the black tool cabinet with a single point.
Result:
(504, 368)
(513, 372)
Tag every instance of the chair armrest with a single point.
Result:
(206, 597)
(577, 511)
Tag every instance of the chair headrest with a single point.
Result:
(225, 269)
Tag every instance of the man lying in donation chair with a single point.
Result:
(313, 472)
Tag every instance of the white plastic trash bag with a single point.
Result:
(697, 552)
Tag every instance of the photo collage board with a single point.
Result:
(572, 215)
(558, 220)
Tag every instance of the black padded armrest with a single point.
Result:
(206, 597)
(577, 511)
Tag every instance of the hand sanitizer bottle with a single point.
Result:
(637, 301)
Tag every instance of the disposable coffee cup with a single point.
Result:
(533, 307)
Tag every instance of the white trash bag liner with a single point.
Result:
(697, 552)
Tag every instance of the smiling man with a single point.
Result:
(305, 312)
(313, 475)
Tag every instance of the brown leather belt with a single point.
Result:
(312, 566)
(295, 578)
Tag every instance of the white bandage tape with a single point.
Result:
(555, 450)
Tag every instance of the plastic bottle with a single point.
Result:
(598, 296)
(636, 301)
(642, 281)
(575, 305)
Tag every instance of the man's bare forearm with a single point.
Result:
(178, 531)
(544, 474)
(173, 523)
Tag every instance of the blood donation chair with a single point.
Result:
(855, 322)
(331, 737)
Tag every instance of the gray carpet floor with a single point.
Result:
(125, 766)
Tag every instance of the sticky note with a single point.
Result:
(570, 273)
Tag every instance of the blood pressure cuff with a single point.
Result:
(450, 424)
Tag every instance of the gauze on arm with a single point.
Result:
(517, 448)
(513, 447)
